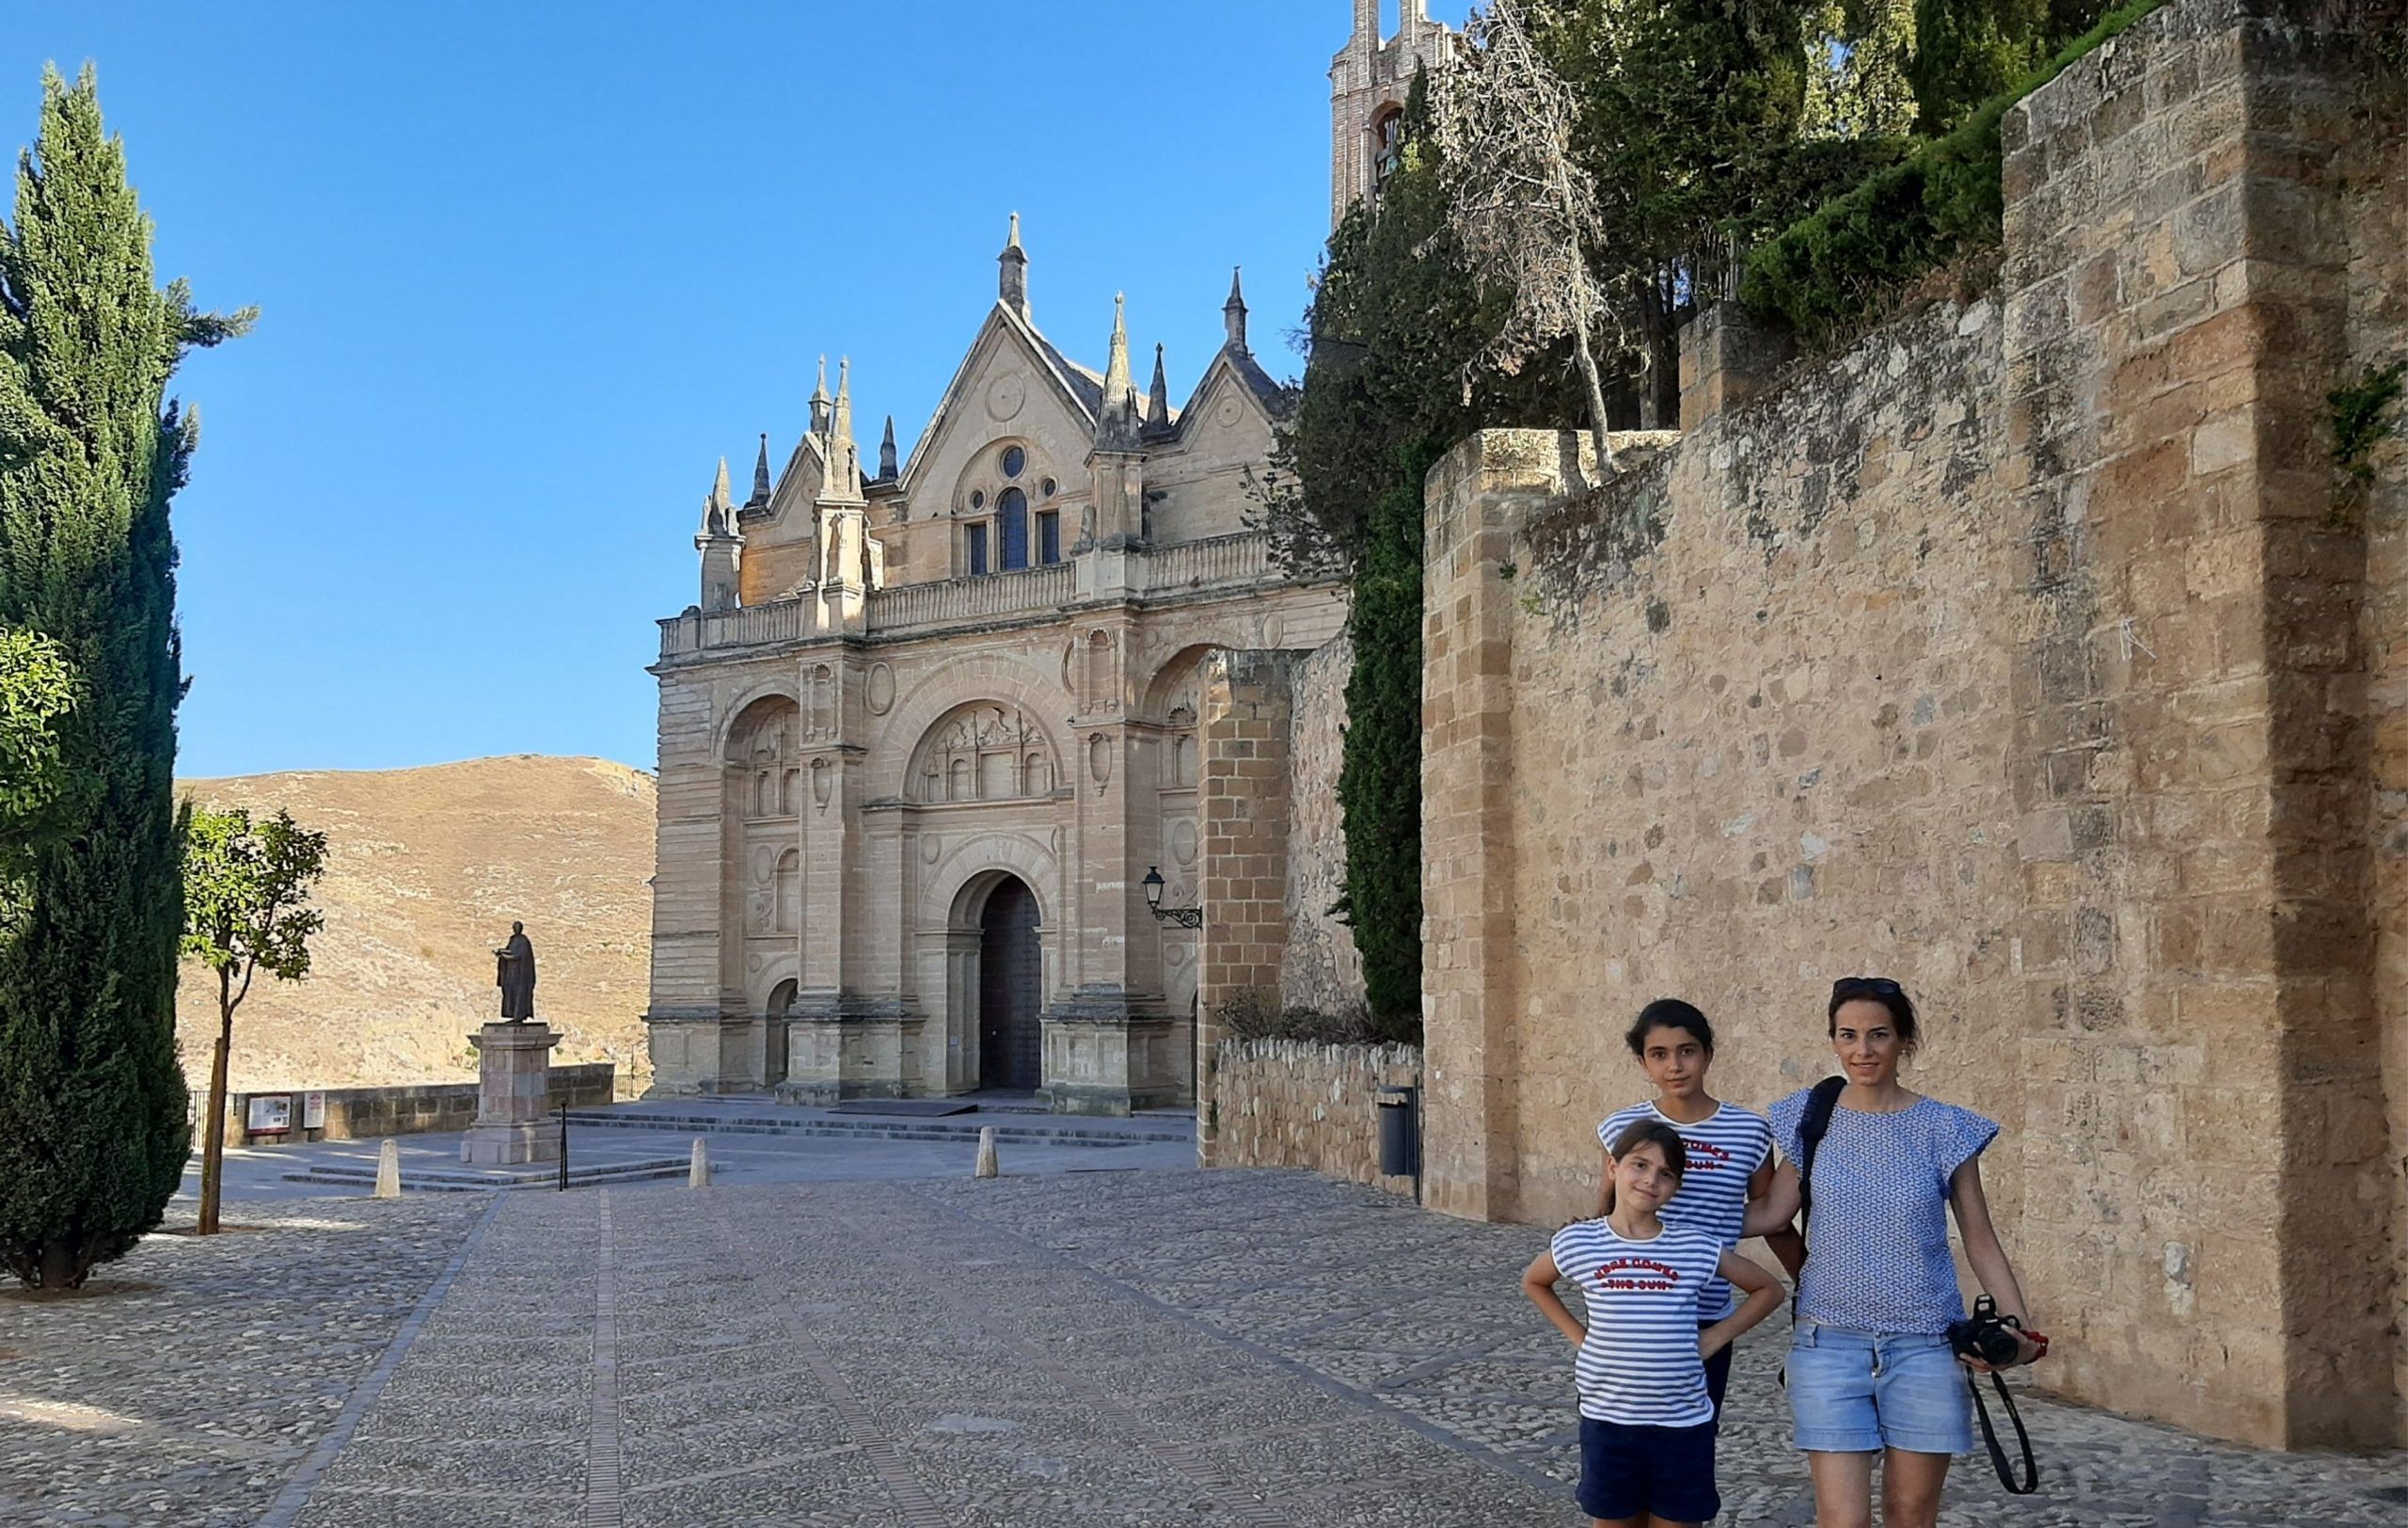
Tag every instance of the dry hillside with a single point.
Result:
(425, 871)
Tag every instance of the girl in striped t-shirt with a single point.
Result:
(1647, 1424)
(1729, 1151)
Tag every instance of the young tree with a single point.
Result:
(246, 910)
(1520, 207)
(93, 1134)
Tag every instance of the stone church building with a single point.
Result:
(932, 722)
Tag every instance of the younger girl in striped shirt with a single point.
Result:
(1647, 1424)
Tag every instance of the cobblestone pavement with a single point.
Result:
(191, 1392)
(1155, 1348)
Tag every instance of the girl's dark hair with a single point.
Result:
(1879, 990)
(1655, 1133)
(1668, 1013)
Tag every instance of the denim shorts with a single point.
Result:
(1861, 1391)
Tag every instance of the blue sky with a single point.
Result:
(526, 271)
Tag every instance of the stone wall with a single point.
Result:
(2378, 332)
(1321, 969)
(369, 1113)
(1271, 862)
(1291, 1103)
(2027, 653)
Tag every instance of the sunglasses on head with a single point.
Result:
(1847, 986)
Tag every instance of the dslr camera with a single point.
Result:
(1996, 1340)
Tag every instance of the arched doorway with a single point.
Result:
(1011, 989)
(773, 1034)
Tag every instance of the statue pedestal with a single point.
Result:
(513, 1084)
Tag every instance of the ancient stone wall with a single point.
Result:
(1320, 970)
(1291, 1103)
(2027, 653)
(2378, 326)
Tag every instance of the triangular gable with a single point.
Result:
(1237, 373)
(1079, 390)
(805, 464)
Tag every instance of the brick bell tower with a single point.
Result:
(1368, 84)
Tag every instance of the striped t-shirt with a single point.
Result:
(1639, 1366)
(1725, 1150)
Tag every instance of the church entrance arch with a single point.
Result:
(1012, 988)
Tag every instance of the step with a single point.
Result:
(873, 1129)
(488, 1180)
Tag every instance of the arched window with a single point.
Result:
(1387, 147)
(1011, 521)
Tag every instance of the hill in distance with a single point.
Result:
(425, 869)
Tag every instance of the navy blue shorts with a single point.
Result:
(1668, 1472)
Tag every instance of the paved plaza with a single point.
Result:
(1157, 1348)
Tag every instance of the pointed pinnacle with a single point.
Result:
(718, 487)
(1013, 243)
(819, 394)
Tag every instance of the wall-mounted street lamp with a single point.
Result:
(1186, 917)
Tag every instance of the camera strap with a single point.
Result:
(1989, 1436)
(1812, 1125)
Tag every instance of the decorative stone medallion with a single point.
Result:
(1004, 396)
(930, 848)
(1182, 841)
(881, 688)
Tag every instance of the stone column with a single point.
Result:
(1242, 791)
(514, 1065)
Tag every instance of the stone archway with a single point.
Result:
(1012, 988)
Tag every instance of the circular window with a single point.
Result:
(1051, 488)
(979, 498)
(1014, 460)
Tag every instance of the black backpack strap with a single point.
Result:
(1812, 1127)
(1989, 1436)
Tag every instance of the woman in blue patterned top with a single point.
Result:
(1730, 1151)
(1870, 1367)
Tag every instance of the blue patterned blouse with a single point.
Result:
(1878, 1240)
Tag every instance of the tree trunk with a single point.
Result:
(213, 1149)
(1596, 402)
(58, 1265)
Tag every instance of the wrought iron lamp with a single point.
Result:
(1186, 917)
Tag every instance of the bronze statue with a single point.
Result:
(514, 972)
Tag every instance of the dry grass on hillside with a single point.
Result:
(425, 871)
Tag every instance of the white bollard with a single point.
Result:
(699, 1175)
(389, 1170)
(987, 1167)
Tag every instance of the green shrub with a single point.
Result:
(1828, 272)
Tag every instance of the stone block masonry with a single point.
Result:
(2033, 653)
(423, 1108)
(1291, 1104)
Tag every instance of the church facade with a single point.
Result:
(931, 724)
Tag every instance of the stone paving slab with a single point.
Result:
(1131, 1349)
(191, 1396)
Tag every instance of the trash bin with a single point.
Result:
(1400, 1133)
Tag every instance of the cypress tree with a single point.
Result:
(93, 1129)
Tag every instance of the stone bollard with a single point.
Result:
(389, 1170)
(987, 1167)
(699, 1175)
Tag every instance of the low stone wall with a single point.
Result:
(366, 1113)
(1291, 1104)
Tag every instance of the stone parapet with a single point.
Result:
(1291, 1104)
(420, 1109)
